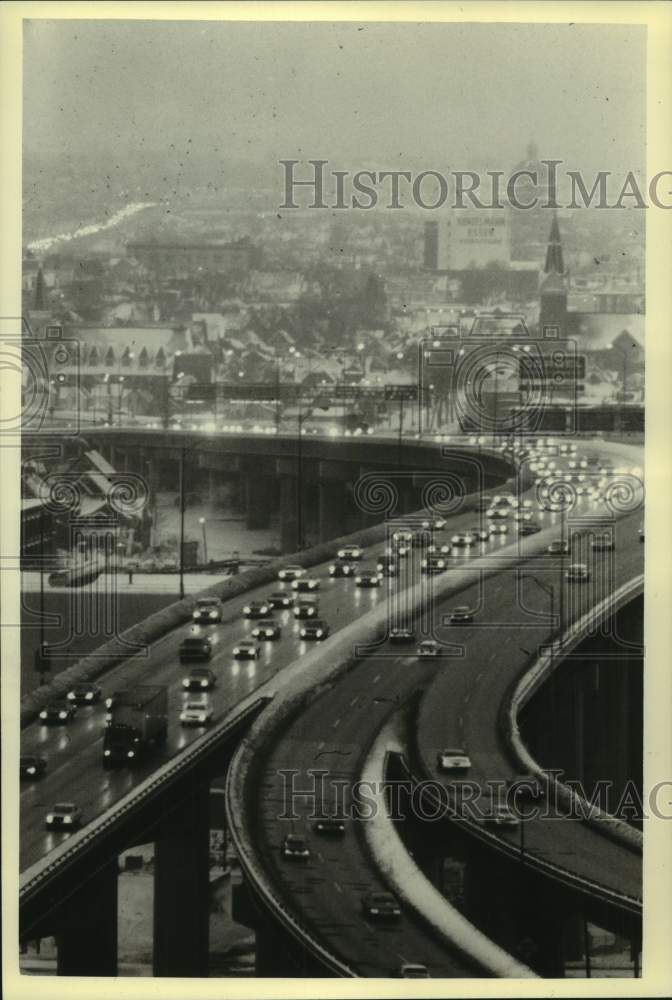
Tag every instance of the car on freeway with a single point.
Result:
(199, 679)
(498, 814)
(499, 528)
(195, 647)
(480, 534)
(208, 611)
(402, 634)
(58, 712)
(368, 578)
(332, 826)
(246, 649)
(64, 815)
(429, 647)
(527, 786)
(291, 572)
(433, 564)
(499, 511)
(522, 515)
(577, 573)
(603, 543)
(280, 599)
(461, 615)
(31, 767)
(381, 906)
(306, 609)
(257, 609)
(387, 564)
(350, 552)
(196, 713)
(305, 585)
(558, 548)
(439, 550)
(84, 694)
(269, 630)
(434, 523)
(413, 970)
(342, 567)
(315, 629)
(295, 847)
(528, 528)
(463, 539)
(453, 760)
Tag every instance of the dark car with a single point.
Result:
(58, 712)
(381, 906)
(528, 528)
(295, 847)
(316, 628)
(306, 609)
(269, 630)
(434, 523)
(246, 649)
(434, 564)
(31, 767)
(480, 534)
(281, 599)
(332, 826)
(256, 609)
(199, 679)
(305, 585)
(351, 552)
(291, 572)
(342, 567)
(208, 611)
(84, 694)
(387, 565)
(402, 634)
(368, 578)
(558, 548)
(195, 647)
(64, 816)
(461, 615)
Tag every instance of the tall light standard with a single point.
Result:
(548, 589)
(201, 521)
(182, 509)
(119, 398)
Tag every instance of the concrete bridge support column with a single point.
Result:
(87, 938)
(332, 510)
(260, 492)
(181, 888)
(289, 537)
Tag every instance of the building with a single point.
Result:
(467, 238)
(185, 258)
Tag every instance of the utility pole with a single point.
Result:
(182, 507)
(401, 427)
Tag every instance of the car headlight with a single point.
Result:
(195, 615)
(131, 753)
(50, 817)
(281, 575)
(185, 683)
(358, 579)
(213, 614)
(89, 695)
(71, 695)
(43, 715)
(319, 633)
(332, 569)
(302, 633)
(341, 553)
(236, 650)
(30, 770)
(106, 753)
(247, 609)
(62, 715)
(67, 819)
(264, 609)
(204, 684)
(203, 717)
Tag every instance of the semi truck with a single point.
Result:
(138, 719)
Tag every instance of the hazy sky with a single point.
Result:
(449, 96)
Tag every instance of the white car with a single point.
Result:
(437, 523)
(291, 572)
(463, 539)
(64, 816)
(196, 713)
(429, 647)
(577, 573)
(453, 760)
(350, 552)
(306, 585)
(499, 528)
(208, 610)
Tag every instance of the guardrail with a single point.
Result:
(33, 879)
(532, 680)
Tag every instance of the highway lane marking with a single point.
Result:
(466, 698)
(337, 723)
(338, 888)
(354, 700)
(376, 678)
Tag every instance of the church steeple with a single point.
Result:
(554, 262)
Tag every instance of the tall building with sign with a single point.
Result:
(468, 238)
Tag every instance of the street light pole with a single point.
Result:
(401, 427)
(182, 507)
(201, 521)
